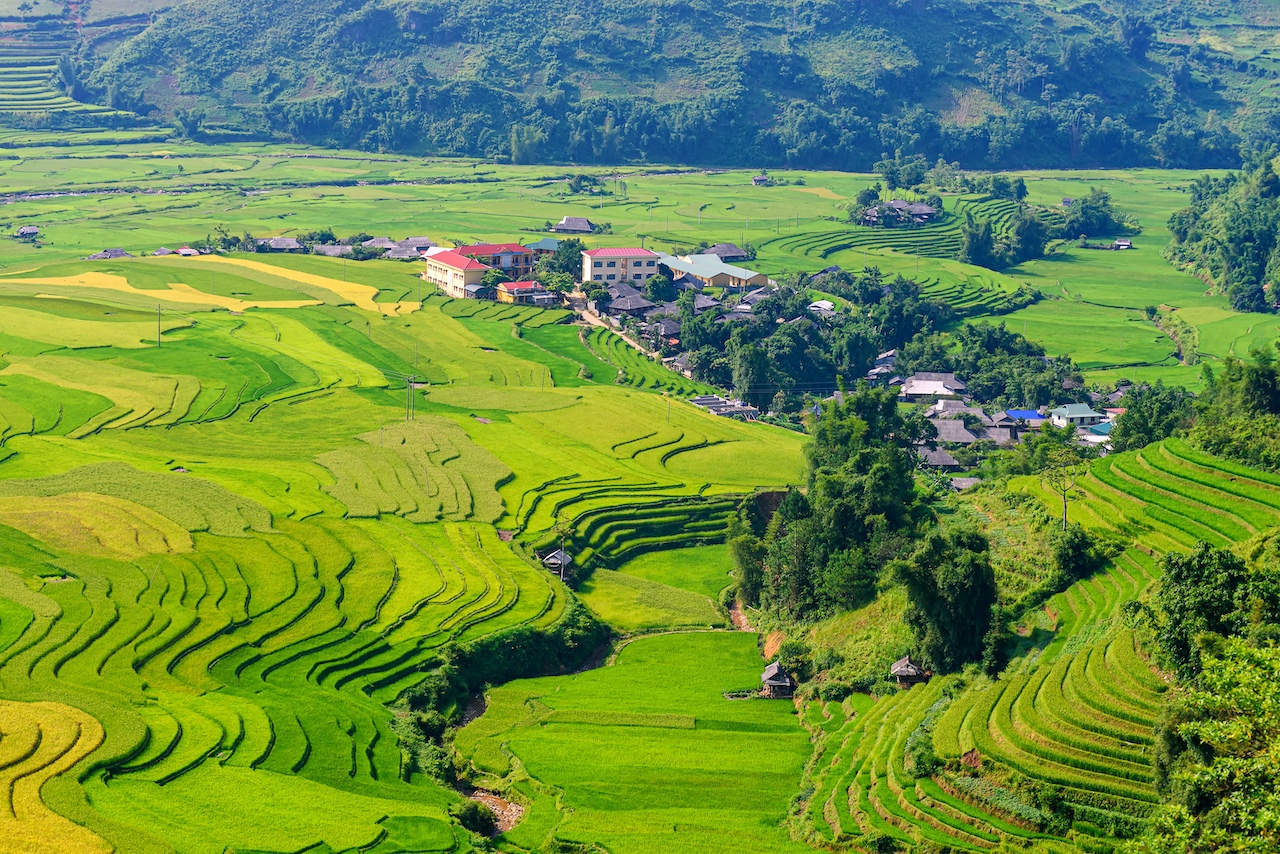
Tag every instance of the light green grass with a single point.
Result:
(721, 786)
(631, 604)
(702, 569)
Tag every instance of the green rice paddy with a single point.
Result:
(229, 553)
(224, 557)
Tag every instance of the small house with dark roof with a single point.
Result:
(401, 253)
(936, 458)
(28, 231)
(777, 683)
(278, 244)
(332, 250)
(952, 431)
(574, 225)
(557, 561)
(760, 180)
(960, 484)
(908, 673)
(728, 252)
(162, 251)
(1122, 243)
(109, 255)
(417, 244)
(188, 252)
(379, 243)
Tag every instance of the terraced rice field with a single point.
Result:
(28, 66)
(225, 556)
(1075, 712)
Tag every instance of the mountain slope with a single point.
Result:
(817, 83)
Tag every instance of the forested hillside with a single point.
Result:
(815, 84)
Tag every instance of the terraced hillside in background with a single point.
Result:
(29, 68)
(226, 554)
(1074, 714)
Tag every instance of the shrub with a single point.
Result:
(475, 817)
(834, 691)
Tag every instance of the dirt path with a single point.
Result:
(740, 621)
(596, 320)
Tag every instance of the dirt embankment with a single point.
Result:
(740, 621)
(508, 814)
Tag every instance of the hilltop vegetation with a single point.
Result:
(822, 84)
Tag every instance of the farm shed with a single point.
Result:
(109, 255)
(938, 459)
(558, 561)
(574, 225)
(728, 252)
(279, 244)
(28, 231)
(778, 684)
(908, 673)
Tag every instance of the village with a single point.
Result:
(636, 292)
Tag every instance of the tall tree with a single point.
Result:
(952, 587)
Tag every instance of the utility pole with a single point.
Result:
(157, 326)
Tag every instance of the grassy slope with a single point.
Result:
(649, 755)
(231, 611)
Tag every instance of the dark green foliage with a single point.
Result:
(825, 549)
(1216, 758)
(1039, 451)
(1092, 216)
(1229, 234)
(748, 558)
(1151, 413)
(834, 691)
(659, 289)
(1239, 412)
(953, 596)
(566, 259)
(759, 356)
(515, 653)
(999, 367)
(474, 816)
(1201, 592)
(703, 86)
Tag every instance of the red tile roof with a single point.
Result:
(521, 286)
(492, 249)
(619, 252)
(456, 261)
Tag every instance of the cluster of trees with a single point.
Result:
(1074, 93)
(862, 525)
(1215, 622)
(1238, 414)
(824, 549)
(1229, 233)
(998, 366)
(1030, 230)
(776, 365)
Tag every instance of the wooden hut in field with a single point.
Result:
(558, 562)
(908, 673)
(778, 684)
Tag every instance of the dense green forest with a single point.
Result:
(1227, 235)
(813, 84)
